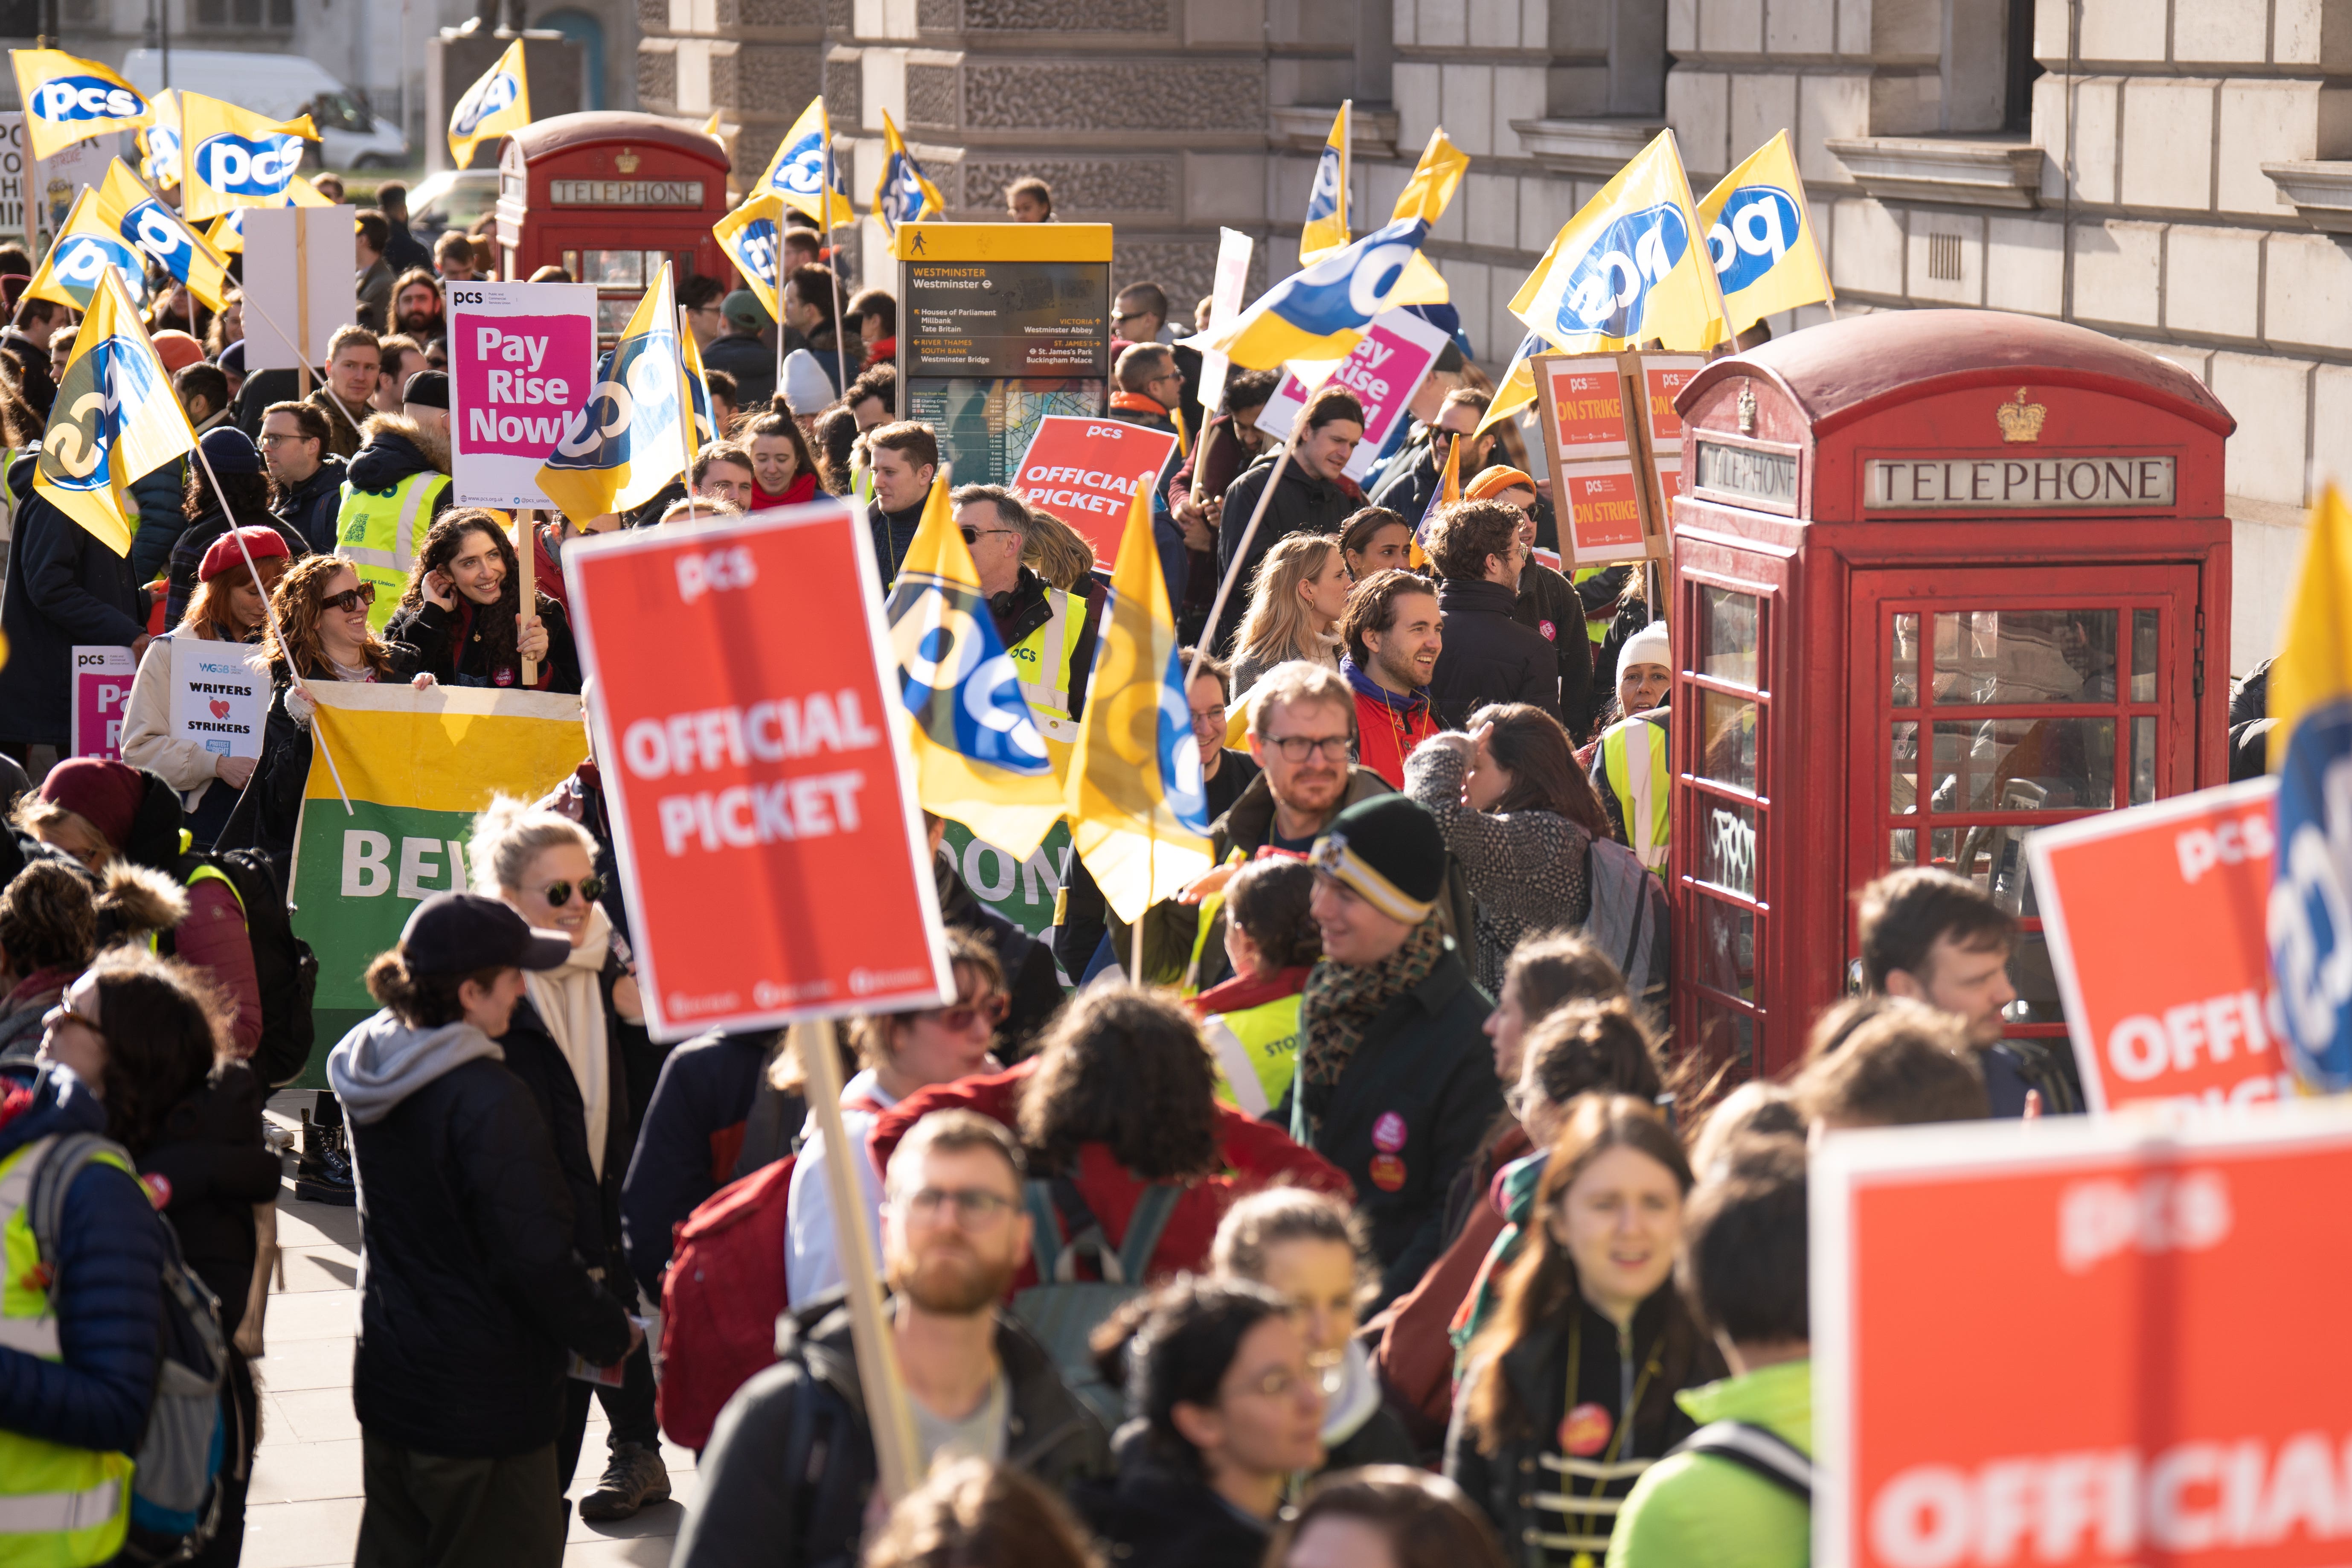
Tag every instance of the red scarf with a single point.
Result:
(801, 489)
(1150, 408)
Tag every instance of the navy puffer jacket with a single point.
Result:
(109, 1297)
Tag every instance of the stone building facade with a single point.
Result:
(2177, 173)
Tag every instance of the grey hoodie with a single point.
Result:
(383, 1061)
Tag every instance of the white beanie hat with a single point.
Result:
(807, 389)
(1647, 645)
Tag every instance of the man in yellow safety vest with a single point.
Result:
(1049, 634)
(1630, 769)
(394, 488)
(70, 1417)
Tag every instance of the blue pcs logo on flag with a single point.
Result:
(249, 165)
(1323, 197)
(955, 678)
(1758, 225)
(903, 199)
(756, 248)
(637, 385)
(102, 392)
(1348, 287)
(801, 171)
(157, 230)
(1185, 792)
(492, 93)
(67, 100)
(2310, 913)
(80, 261)
(1609, 285)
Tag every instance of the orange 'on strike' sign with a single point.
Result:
(1588, 399)
(1604, 511)
(2085, 1343)
(2157, 919)
(1084, 472)
(752, 742)
(1666, 383)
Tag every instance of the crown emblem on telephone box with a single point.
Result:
(626, 161)
(2020, 420)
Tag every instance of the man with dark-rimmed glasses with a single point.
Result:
(789, 1468)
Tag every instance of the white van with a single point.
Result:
(280, 85)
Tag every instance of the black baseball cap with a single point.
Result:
(459, 934)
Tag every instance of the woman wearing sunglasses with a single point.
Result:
(462, 610)
(322, 609)
(571, 1040)
(901, 1053)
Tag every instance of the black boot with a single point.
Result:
(322, 1172)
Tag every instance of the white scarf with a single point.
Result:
(570, 1002)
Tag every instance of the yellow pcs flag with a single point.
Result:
(1631, 267)
(980, 758)
(68, 100)
(798, 172)
(1759, 235)
(498, 104)
(903, 193)
(114, 422)
(140, 218)
(1138, 806)
(635, 433)
(1425, 197)
(753, 237)
(1326, 229)
(90, 245)
(159, 144)
(232, 157)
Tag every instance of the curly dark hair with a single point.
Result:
(1126, 1067)
(165, 1028)
(47, 920)
(1466, 533)
(443, 542)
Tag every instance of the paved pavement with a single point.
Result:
(304, 1510)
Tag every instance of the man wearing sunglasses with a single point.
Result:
(953, 1237)
(1049, 634)
(1414, 473)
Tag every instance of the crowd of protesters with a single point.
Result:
(1366, 1218)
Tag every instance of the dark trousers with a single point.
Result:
(426, 1510)
(630, 1409)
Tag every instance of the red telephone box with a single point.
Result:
(608, 196)
(1940, 578)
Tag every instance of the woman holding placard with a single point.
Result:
(461, 607)
(226, 607)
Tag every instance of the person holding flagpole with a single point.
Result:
(1302, 489)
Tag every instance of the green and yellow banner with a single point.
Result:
(416, 766)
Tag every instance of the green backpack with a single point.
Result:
(1064, 1310)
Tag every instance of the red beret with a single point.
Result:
(103, 793)
(223, 554)
(176, 350)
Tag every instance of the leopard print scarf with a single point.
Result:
(1341, 1002)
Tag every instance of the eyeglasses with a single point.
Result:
(976, 1208)
(1277, 1384)
(275, 438)
(349, 598)
(64, 1013)
(992, 1007)
(1208, 718)
(559, 894)
(971, 536)
(1298, 748)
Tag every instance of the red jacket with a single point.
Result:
(1386, 734)
(1257, 1155)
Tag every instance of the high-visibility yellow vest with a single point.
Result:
(60, 1507)
(1597, 630)
(1256, 1052)
(378, 531)
(1044, 658)
(1634, 755)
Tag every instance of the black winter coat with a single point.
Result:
(1548, 605)
(706, 1090)
(751, 362)
(533, 1057)
(267, 811)
(1425, 1059)
(1302, 503)
(210, 1150)
(1154, 1516)
(791, 1466)
(472, 1292)
(449, 647)
(1502, 1483)
(1488, 657)
(188, 552)
(64, 588)
(311, 507)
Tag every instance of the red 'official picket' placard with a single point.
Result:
(2179, 1006)
(2084, 1343)
(1085, 472)
(744, 713)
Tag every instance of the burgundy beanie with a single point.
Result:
(106, 795)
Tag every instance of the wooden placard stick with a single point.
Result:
(527, 605)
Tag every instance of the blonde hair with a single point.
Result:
(1278, 626)
(1056, 551)
(509, 835)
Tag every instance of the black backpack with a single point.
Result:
(283, 963)
(1759, 1450)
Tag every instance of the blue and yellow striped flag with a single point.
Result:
(903, 193)
(496, 104)
(2310, 915)
(635, 431)
(1326, 229)
(978, 757)
(115, 420)
(1138, 806)
(1318, 313)
(1759, 235)
(797, 171)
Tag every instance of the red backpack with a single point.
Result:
(720, 1300)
